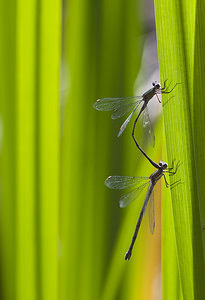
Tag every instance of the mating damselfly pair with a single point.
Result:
(120, 107)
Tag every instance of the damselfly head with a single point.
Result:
(156, 85)
(163, 165)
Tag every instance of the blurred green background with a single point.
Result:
(62, 232)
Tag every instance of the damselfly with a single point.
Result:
(121, 106)
(139, 183)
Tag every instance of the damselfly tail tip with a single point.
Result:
(153, 143)
(128, 255)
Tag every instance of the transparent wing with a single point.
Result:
(122, 182)
(121, 111)
(147, 126)
(131, 196)
(124, 125)
(151, 213)
(108, 104)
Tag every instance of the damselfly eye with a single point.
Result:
(157, 86)
(163, 165)
(160, 163)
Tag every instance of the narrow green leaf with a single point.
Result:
(48, 134)
(198, 127)
(25, 151)
(8, 147)
(171, 284)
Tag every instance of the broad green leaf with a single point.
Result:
(29, 169)
(102, 59)
(176, 28)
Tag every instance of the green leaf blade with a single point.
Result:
(175, 32)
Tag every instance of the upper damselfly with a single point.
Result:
(121, 106)
(139, 183)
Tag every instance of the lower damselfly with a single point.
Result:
(139, 183)
(121, 106)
